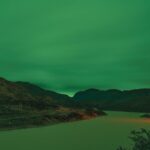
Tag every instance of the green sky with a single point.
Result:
(67, 45)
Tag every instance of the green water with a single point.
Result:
(104, 133)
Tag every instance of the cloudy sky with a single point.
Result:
(66, 45)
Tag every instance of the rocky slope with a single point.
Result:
(24, 105)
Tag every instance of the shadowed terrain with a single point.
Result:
(26, 105)
(137, 100)
(23, 104)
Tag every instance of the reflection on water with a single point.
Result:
(125, 118)
(131, 120)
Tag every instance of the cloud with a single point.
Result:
(68, 46)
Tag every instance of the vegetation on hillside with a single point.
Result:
(137, 100)
(24, 105)
(141, 140)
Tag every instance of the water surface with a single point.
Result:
(103, 133)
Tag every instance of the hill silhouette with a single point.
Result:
(137, 100)
(24, 104)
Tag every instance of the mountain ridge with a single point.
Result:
(122, 100)
(23, 104)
